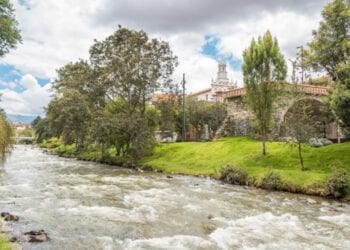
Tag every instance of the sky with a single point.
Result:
(200, 33)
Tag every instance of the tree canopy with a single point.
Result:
(9, 32)
(330, 51)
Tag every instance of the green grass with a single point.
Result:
(207, 158)
(4, 245)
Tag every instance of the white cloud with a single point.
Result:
(29, 102)
(57, 32)
(29, 82)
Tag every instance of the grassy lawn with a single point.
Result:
(206, 158)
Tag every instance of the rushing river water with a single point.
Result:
(92, 206)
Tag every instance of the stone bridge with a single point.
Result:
(239, 120)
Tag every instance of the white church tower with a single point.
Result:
(221, 84)
(222, 74)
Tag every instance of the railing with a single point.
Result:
(309, 89)
(233, 93)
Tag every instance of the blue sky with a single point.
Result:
(10, 75)
(211, 49)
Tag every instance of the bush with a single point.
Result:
(233, 175)
(338, 183)
(271, 181)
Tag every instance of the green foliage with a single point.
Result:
(341, 105)
(169, 110)
(330, 50)
(69, 116)
(201, 113)
(42, 130)
(131, 66)
(330, 46)
(271, 181)
(105, 101)
(338, 183)
(233, 175)
(9, 32)
(6, 134)
(263, 68)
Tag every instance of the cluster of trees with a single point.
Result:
(9, 38)
(105, 100)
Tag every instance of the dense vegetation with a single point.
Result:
(6, 139)
(330, 51)
(105, 101)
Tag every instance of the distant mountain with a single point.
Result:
(23, 119)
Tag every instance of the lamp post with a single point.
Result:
(302, 62)
(183, 108)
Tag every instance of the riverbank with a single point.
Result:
(208, 158)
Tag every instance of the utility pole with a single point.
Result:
(302, 62)
(183, 108)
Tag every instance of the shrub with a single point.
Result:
(271, 181)
(338, 183)
(233, 175)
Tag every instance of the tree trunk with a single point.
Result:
(264, 146)
(300, 157)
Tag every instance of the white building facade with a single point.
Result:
(220, 85)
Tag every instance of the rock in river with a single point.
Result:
(36, 236)
(9, 217)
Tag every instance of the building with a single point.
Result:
(220, 85)
(21, 126)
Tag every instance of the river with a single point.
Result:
(83, 205)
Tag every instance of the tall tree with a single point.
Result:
(263, 68)
(330, 51)
(130, 67)
(9, 32)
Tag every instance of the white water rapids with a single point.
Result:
(83, 205)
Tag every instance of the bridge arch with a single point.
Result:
(320, 117)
